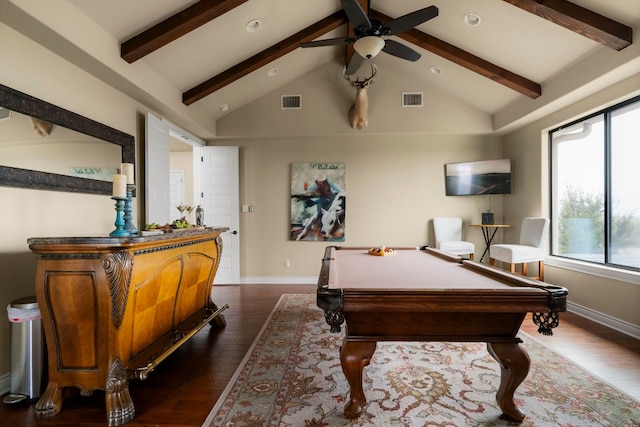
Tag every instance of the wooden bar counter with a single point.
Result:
(113, 308)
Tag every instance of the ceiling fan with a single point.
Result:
(368, 41)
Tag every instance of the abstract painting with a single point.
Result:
(318, 202)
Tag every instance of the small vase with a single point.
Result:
(487, 218)
(199, 216)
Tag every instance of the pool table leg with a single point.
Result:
(354, 356)
(514, 366)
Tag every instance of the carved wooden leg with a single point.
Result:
(514, 367)
(354, 356)
(219, 321)
(334, 318)
(120, 407)
(50, 402)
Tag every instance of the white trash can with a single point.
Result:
(27, 350)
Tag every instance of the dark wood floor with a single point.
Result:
(184, 388)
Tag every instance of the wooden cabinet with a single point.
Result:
(113, 308)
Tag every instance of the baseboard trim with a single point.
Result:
(5, 384)
(269, 280)
(606, 320)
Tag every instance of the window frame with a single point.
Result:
(629, 273)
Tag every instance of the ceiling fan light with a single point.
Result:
(369, 46)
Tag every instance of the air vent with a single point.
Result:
(291, 102)
(412, 99)
(5, 113)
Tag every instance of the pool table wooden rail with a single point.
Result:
(530, 295)
(426, 316)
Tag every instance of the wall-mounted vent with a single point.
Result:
(412, 99)
(4, 113)
(291, 102)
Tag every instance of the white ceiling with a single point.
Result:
(508, 37)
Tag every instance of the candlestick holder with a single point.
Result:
(128, 208)
(119, 231)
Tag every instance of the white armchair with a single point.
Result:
(533, 237)
(448, 234)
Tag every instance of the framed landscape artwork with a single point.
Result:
(318, 202)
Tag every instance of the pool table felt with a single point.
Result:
(407, 269)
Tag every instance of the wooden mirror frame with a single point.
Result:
(34, 107)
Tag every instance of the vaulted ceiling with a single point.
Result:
(203, 52)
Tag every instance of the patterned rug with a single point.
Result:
(292, 377)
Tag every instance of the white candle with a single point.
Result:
(119, 185)
(127, 169)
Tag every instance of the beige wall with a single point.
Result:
(395, 186)
(327, 97)
(528, 148)
(29, 68)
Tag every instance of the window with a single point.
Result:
(595, 179)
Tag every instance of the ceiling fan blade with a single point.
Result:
(328, 42)
(394, 48)
(354, 64)
(410, 20)
(356, 15)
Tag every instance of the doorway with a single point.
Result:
(168, 147)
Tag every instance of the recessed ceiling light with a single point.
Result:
(224, 107)
(472, 19)
(253, 25)
(272, 72)
(436, 70)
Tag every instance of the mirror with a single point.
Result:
(35, 178)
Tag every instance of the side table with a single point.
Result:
(488, 232)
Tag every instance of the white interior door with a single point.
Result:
(156, 160)
(221, 206)
(176, 190)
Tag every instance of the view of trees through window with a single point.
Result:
(595, 178)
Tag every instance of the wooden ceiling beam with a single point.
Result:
(561, 12)
(175, 27)
(583, 21)
(263, 58)
(467, 60)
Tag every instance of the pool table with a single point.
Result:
(423, 294)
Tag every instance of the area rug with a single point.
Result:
(291, 376)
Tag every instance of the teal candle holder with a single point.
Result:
(120, 230)
(128, 208)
